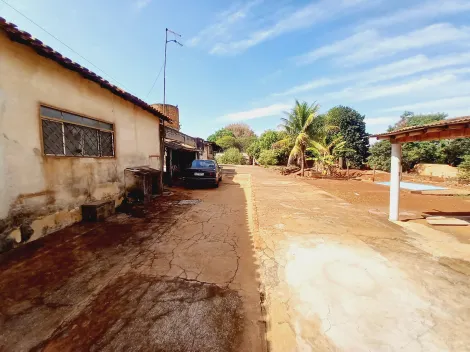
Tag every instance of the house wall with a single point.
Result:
(41, 193)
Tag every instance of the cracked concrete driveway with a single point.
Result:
(177, 275)
(263, 262)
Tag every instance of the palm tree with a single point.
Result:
(327, 153)
(301, 130)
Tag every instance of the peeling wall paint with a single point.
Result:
(41, 194)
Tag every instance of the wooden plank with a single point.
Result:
(416, 133)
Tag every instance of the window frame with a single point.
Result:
(62, 121)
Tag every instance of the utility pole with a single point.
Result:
(162, 126)
(164, 64)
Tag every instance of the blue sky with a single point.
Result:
(246, 61)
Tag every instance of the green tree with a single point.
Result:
(352, 127)
(408, 119)
(240, 130)
(380, 155)
(268, 138)
(245, 142)
(299, 126)
(455, 150)
(219, 134)
(254, 149)
(227, 142)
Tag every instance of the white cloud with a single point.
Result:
(341, 46)
(140, 4)
(380, 120)
(270, 110)
(428, 10)
(444, 84)
(369, 45)
(314, 12)
(402, 68)
(226, 23)
(442, 105)
(432, 35)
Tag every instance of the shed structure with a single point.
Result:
(446, 129)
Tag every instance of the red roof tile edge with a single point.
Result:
(25, 38)
(446, 122)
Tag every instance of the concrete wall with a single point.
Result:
(43, 193)
(436, 170)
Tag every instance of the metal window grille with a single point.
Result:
(64, 138)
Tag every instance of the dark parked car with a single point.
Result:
(203, 172)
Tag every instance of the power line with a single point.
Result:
(154, 82)
(60, 41)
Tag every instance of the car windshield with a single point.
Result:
(203, 164)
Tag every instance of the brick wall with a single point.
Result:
(172, 112)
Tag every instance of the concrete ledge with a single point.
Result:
(444, 192)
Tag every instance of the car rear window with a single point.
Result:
(203, 164)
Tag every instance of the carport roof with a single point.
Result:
(458, 127)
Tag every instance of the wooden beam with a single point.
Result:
(435, 136)
(401, 135)
(416, 133)
(457, 127)
(435, 129)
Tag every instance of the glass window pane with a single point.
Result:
(52, 137)
(106, 126)
(73, 139)
(72, 118)
(90, 142)
(106, 144)
(90, 122)
(48, 112)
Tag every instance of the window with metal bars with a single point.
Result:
(66, 134)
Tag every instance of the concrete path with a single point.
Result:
(337, 278)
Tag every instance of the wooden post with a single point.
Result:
(373, 175)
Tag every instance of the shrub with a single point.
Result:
(268, 157)
(231, 156)
(464, 170)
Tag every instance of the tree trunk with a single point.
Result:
(302, 161)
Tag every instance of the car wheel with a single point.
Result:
(217, 184)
